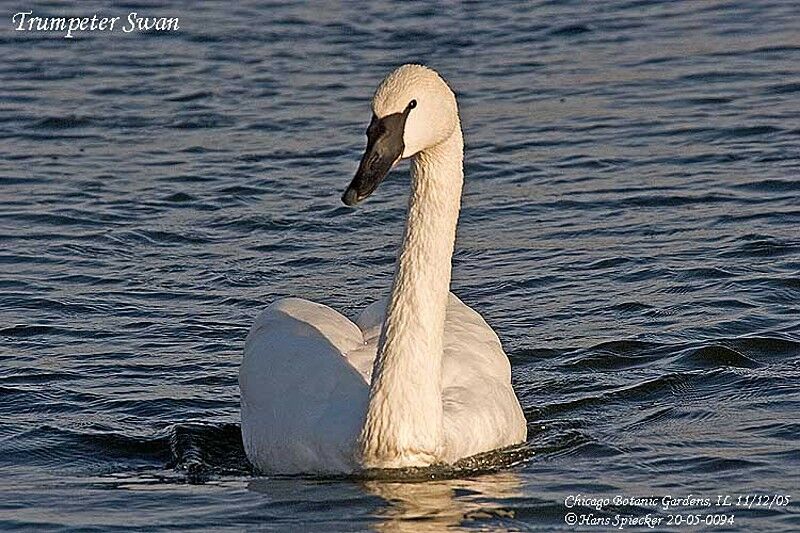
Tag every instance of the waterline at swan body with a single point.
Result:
(419, 378)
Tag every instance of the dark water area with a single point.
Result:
(630, 228)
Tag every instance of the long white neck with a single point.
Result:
(403, 425)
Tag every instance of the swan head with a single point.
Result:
(413, 109)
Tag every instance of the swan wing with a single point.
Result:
(481, 411)
(303, 401)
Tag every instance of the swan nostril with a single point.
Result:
(373, 161)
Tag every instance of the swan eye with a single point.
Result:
(412, 104)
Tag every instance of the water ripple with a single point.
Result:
(629, 228)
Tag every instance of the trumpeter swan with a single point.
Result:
(419, 378)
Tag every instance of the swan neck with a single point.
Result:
(404, 423)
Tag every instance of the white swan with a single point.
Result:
(419, 378)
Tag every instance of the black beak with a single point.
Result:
(384, 148)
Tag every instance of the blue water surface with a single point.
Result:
(630, 228)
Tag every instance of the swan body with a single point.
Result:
(419, 378)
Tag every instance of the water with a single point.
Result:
(630, 229)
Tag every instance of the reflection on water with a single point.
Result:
(437, 505)
(391, 505)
